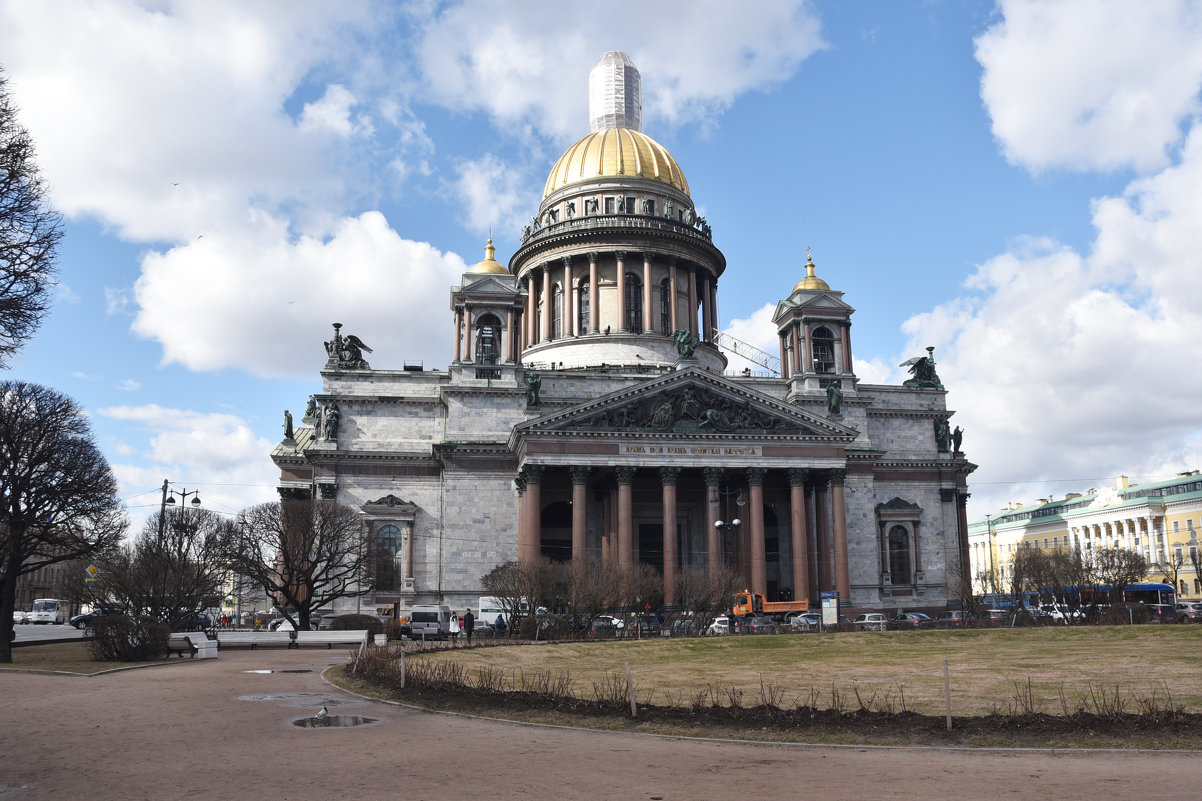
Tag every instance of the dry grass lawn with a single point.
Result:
(990, 669)
(67, 657)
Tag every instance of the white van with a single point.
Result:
(49, 610)
(432, 621)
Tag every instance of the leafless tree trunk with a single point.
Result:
(306, 554)
(58, 497)
(29, 234)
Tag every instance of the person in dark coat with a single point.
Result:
(469, 624)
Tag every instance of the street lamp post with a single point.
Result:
(727, 527)
(169, 500)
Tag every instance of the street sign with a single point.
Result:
(92, 570)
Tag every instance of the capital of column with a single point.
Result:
(593, 256)
(947, 494)
(670, 260)
(713, 475)
(625, 475)
(579, 473)
(837, 477)
(620, 255)
(797, 476)
(534, 473)
(668, 475)
(649, 256)
(567, 261)
(755, 476)
(519, 481)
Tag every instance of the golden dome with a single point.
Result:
(612, 153)
(811, 281)
(490, 265)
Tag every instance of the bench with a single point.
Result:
(228, 639)
(196, 643)
(331, 638)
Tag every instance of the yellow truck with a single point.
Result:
(748, 602)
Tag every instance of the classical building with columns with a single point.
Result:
(1158, 520)
(585, 410)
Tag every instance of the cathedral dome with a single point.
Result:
(489, 265)
(615, 153)
(811, 281)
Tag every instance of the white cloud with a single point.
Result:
(263, 302)
(182, 106)
(129, 385)
(332, 113)
(216, 453)
(496, 194)
(698, 57)
(757, 331)
(1091, 84)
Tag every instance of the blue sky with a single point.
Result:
(1014, 183)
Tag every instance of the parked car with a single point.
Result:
(721, 625)
(196, 621)
(993, 617)
(1189, 612)
(954, 620)
(759, 624)
(20, 616)
(871, 621)
(910, 621)
(684, 627)
(806, 621)
(602, 626)
(85, 620)
(1161, 613)
(643, 626)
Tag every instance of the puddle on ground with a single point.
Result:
(258, 671)
(292, 670)
(299, 698)
(332, 722)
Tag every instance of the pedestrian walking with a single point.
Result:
(469, 624)
(454, 629)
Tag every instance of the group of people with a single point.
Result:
(466, 623)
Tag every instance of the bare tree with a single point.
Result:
(1116, 568)
(58, 497)
(29, 234)
(170, 572)
(518, 586)
(304, 553)
(705, 596)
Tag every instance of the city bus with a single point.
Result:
(49, 610)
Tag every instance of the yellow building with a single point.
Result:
(1159, 521)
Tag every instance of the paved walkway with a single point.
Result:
(216, 730)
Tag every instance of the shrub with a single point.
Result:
(372, 623)
(550, 627)
(127, 639)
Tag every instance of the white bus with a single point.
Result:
(49, 610)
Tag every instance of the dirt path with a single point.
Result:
(212, 730)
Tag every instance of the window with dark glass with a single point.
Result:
(899, 555)
(823, 350)
(557, 312)
(665, 307)
(488, 340)
(583, 308)
(634, 304)
(388, 559)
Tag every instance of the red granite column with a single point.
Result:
(625, 476)
(759, 559)
(594, 312)
(545, 322)
(534, 512)
(467, 333)
(569, 299)
(672, 299)
(668, 477)
(713, 537)
(458, 332)
(800, 541)
(693, 300)
(579, 510)
(620, 255)
(839, 524)
(647, 307)
(822, 534)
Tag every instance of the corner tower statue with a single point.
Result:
(572, 422)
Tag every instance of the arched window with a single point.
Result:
(557, 312)
(899, 555)
(583, 307)
(634, 304)
(665, 307)
(389, 571)
(823, 350)
(488, 340)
